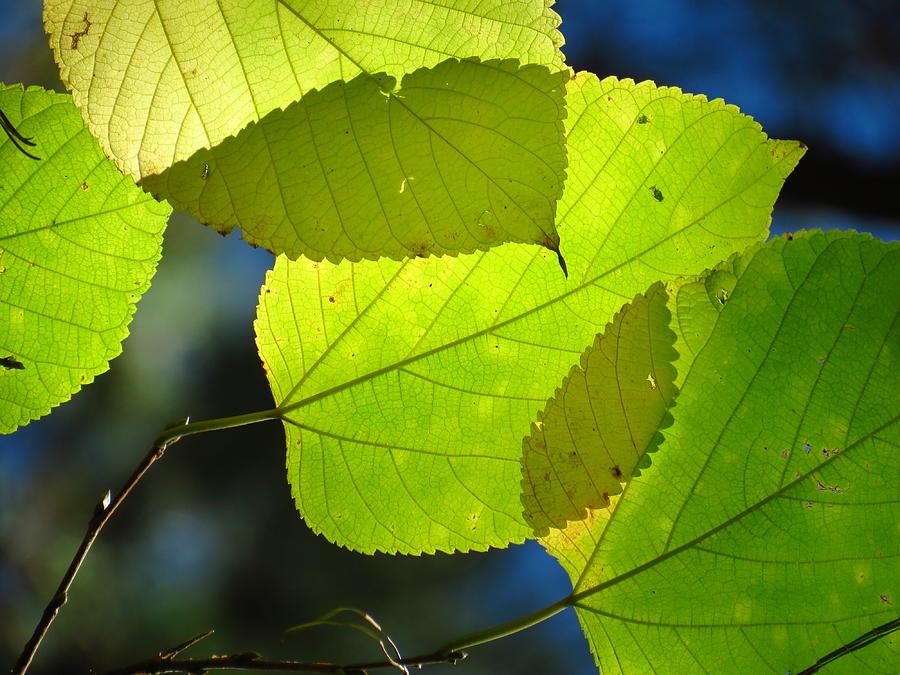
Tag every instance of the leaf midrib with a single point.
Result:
(576, 597)
(761, 503)
(286, 408)
(412, 113)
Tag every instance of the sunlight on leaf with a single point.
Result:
(764, 533)
(589, 438)
(408, 386)
(158, 80)
(461, 157)
(79, 244)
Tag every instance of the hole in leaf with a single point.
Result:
(821, 486)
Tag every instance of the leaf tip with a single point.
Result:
(552, 244)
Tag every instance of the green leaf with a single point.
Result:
(158, 80)
(589, 438)
(407, 387)
(764, 535)
(79, 244)
(465, 155)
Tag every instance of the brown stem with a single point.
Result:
(102, 513)
(253, 661)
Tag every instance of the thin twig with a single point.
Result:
(253, 661)
(102, 513)
(170, 654)
(108, 505)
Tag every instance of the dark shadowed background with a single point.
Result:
(211, 538)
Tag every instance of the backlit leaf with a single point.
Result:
(158, 80)
(763, 536)
(461, 157)
(407, 387)
(589, 438)
(78, 246)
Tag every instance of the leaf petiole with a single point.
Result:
(185, 427)
(506, 629)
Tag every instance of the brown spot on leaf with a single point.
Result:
(420, 248)
(616, 472)
(76, 37)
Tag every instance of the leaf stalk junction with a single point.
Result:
(166, 661)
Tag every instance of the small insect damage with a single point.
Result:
(76, 37)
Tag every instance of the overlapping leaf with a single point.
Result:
(158, 80)
(407, 387)
(764, 534)
(79, 244)
(603, 419)
(461, 158)
(465, 155)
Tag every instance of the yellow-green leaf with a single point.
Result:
(407, 387)
(79, 244)
(158, 80)
(462, 156)
(764, 534)
(592, 434)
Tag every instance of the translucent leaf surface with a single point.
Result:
(158, 80)
(764, 534)
(591, 435)
(79, 244)
(408, 386)
(463, 156)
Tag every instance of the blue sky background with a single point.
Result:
(212, 540)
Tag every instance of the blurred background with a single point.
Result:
(211, 538)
